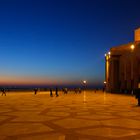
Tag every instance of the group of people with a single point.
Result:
(64, 90)
(77, 90)
(56, 92)
(51, 92)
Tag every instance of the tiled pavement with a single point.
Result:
(85, 116)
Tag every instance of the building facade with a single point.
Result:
(122, 66)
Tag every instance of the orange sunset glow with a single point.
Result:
(32, 80)
(28, 80)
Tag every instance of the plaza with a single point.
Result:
(85, 116)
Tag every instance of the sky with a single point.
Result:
(57, 42)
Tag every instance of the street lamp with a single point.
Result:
(84, 83)
(84, 97)
(104, 88)
(105, 67)
(109, 53)
(107, 57)
(132, 47)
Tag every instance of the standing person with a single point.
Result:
(137, 95)
(56, 92)
(51, 94)
(138, 100)
(65, 90)
(35, 90)
(3, 91)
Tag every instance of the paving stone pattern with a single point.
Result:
(85, 116)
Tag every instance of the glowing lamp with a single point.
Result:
(132, 47)
(84, 81)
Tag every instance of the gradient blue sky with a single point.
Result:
(62, 41)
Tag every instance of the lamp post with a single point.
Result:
(109, 53)
(107, 57)
(84, 96)
(104, 86)
(105, 66)
(105, 72)
(132, 47)
(84, 83)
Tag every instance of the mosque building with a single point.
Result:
(122, 66)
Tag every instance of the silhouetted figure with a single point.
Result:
(56, 92)
(139, 101)
(3, 91)
(137, 95)
(35, 91)
(65, 90)
(51, 93)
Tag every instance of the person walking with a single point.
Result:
(56, 92)
(3, 91)
(137, 95)
(51, 94)
(35, 91)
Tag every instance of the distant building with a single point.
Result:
(122, 66)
